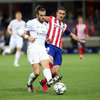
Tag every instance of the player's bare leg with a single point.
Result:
(55, 70)
(43, 81)
(7, 51)
(55, 79)
(33, 76)
(17, 56)
(46, 72)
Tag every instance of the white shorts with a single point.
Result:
(36, 54)
(16, 43)
(2, 44)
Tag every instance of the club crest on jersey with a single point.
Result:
(32, 60)
(58, 26)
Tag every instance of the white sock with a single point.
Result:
(47, 74)
(17, 56)
(31, 78)
(7, 51)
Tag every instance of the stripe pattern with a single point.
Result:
(56, 29)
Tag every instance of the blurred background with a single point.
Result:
(89, 9)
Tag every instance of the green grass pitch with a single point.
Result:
(81, 77)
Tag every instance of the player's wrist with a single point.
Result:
(26, 36)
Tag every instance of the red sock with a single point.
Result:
(80, 51)
(83, 50)
(45, 80)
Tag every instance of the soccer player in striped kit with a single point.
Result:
(81, 31)
(56, 29)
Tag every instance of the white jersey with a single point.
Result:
(14, 26)
(37, 30)
(36, 50)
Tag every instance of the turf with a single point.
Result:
(81, 77)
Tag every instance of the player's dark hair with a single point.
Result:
(61, 8)
(39, 8)
(18, 12)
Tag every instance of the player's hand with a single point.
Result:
(83, 42)
(47, 18)
(31, 39)
(48, 40)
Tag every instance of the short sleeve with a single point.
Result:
(10, 25)
(67, 31)
(27, 26)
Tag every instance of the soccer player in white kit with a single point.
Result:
(36, 53)
(15, 40)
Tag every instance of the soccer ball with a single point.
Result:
(59, 88)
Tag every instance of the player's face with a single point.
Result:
(80, 20)
(60, 14)
(18, 16)
(41, 16)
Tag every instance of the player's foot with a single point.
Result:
(54, 80)
(82, 57)
(16, 65)
(3, 53)
(30, 88)
(44, 86)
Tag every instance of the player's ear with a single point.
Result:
(36, 15)
(56, 12)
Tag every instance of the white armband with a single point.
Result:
(20, 31)
(26, 36)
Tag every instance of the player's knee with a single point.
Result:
(37, 73)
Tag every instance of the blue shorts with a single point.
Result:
(56, 53)
(79, 44)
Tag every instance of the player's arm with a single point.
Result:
(9, 31)
(75, 31)
(47, 18)
(24, 34)
(74, 37)
(86, 31)
(10, 28)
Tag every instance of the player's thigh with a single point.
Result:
(19, 49)
(51, 59)
(58, 58)
(19, 44)
(81, 45)
(44, 58)
(12, 45)
(36, 69)
(55, 69)
(33, 56)
(51, 52)
(44, 64)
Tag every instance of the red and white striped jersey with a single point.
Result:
(81, 30)
(56, 29)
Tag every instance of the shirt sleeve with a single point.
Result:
(10, 25)
(75, 30)
(24, 29)
(67, 31)
(27, 26)
(86, 30)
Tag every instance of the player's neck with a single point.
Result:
(39, 21)
(19, 20)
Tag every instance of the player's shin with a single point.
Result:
(17, 56)
(80, 51)
(45, 80)
(47, 74)
(32, 78)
